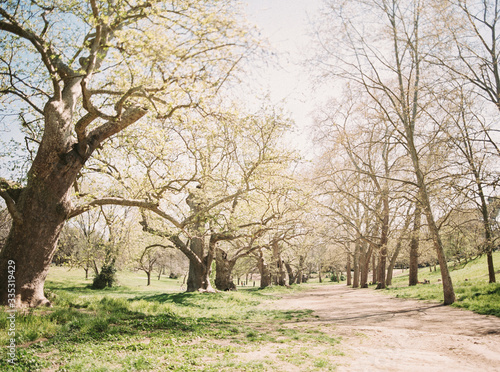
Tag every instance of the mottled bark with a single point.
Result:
(42, 206)
(414, 245)
(397, 250)
(223, 271)
(356, 265)
(265, 273)
(364, 264)
(278, 274)
(348, 269)
(199, 270)
(291, 275)
(374, 268)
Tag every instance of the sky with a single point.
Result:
(286, 24)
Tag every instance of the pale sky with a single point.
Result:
(286, 24)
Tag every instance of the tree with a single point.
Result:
(414, 245)
(150, 258)
(391, 70)
(82, 242)
(226, 259)
(365, 184)
(232, 160)
(74, 90)
(470, 30)
(470, 139)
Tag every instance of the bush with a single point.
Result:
(336, 278)
(106, 278)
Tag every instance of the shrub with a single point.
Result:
(336, 278)
(106, 278)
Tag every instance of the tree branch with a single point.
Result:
(106, 130)
(11, 207)
(112, 201)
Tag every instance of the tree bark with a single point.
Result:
(42, 206)
(348, 269)
(414, 245)
(199, 270)
(291, 276)
(364, 263)
(392, 262)
(223, 271)
(278, 274)
(357, 265)
(488, 235)
(265, 273)
(374, 268)
(384, 235)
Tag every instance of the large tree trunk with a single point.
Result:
(448, 291)
(198, 278)
(348, 269)
(488, 235)
(265, 273)
(42, 206)
(40, 209)
(223, 271)
(491, 267)
(32, 253)
(278, 274)
(291, 276)
(200, 259)
(199, 270)
(364, 264)
(414, 244)
(300, 270)
(356, 265)
(374, 267)
(384, 238)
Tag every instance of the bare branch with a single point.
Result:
(112, 201)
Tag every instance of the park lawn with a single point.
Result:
(138, 328)
(470, 282)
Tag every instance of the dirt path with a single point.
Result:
(380, 333)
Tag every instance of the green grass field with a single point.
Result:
(135, 327)
(470, 282)
(138, 328)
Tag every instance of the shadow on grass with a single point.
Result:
(111, 319)
(183, 298)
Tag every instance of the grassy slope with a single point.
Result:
(470, 283)
(139, 328)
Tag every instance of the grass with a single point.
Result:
(139, 328)
(470, 283)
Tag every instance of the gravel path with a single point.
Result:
(381, 333)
